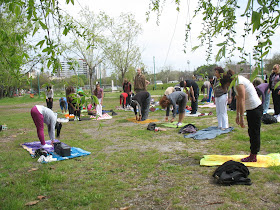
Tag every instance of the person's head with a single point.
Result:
(276, 69)
(138, 71)
(125, 80)
(164, 102)
(97, 87)
(227, 78)
(121, 96)
(183, 83)
(70, 90)
(257, 82)
(219, 71)
(62, 102)
(80, 92)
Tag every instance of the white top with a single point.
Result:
(49, 118)
(252, 99)
(49, 93)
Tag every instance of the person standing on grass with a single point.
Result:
(98, 92)
(193, 93)
(41, 115)
(127, 89)
(49, 97)
(140, 83)
(247, 100)
(141, 101)
(263, 91)
(220, 99)
(275, 90)
(177, 97)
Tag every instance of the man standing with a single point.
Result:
(193, 93)
(140, 83)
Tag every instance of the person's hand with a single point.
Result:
(193, 99)
(140, 118)
(279, 92)
(136, 118)
(166, 119)
(47, 100)
(52, 142)
(242, 122)
(172, 120)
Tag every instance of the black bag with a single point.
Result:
(62, 149)
(232, 172)
(151, 126)
(189, 128)
(268, 119)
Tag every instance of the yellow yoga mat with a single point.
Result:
(264, 161)
(141, 122)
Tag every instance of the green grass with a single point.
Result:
(129, 166)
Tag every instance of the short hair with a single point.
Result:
(164, 102)
(257, 82)
(182, 84)
(210, 77)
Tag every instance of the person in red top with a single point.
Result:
(127, 90)
(123, 100)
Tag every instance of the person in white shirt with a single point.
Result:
(247, 99)
(49, 97)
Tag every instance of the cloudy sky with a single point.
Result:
(164, 41)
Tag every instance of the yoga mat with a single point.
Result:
(188, 114)
(209, 105)
(103, 117)
(208, 133)
(75, 152)
(272, 159)
(62, 120)
(173, 125)
(141, 122)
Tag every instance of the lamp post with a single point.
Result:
(38, 83)
(261, 41)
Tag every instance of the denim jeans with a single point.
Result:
(266, 102)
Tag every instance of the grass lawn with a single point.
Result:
(129, 166)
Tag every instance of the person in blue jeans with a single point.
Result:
(141, 101)
(263, 91)
(63, 104)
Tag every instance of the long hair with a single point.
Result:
(164, 102)
(219, 69)
(276, 66)
(69, 90)
(227, 78)
(95, 90)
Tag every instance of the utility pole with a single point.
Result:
(155, 74)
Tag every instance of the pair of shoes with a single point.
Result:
(210, 113)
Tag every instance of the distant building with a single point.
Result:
(80, 69)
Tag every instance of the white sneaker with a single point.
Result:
(179, 124)
(46, 146)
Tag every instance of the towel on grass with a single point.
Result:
(272, 159)
(32, 146)
(209, 105)
(103, 117)
(174, 125)
(62, 120)
(208, 133)
(141, 122)
(198, 114)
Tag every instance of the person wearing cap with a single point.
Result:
(141, 101)
(41, 115)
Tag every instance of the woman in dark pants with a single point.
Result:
(247, 99)
(275, 89)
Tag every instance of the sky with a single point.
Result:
(163, 43)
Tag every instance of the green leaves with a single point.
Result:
(277, 85)
(256, 20)
(254, 74)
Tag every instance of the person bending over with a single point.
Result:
(247, 99)
(177, 97)
(63, 104)
(124, 100)
(41, 115)
(142, 101)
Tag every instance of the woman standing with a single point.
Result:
(98, 92)
(247, 100)
(220, 99)
(273, 80)
(49, 97)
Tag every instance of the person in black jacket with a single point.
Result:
(275, 89)
(194, 93)
(142, 101)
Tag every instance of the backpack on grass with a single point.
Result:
(268, 119)
(151, 126)
(232, 172)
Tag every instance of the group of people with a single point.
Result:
(246, 96)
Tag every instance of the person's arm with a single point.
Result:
(167, 113)
(240, 105)
(192, 93)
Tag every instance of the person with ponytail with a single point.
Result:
(247, 100)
